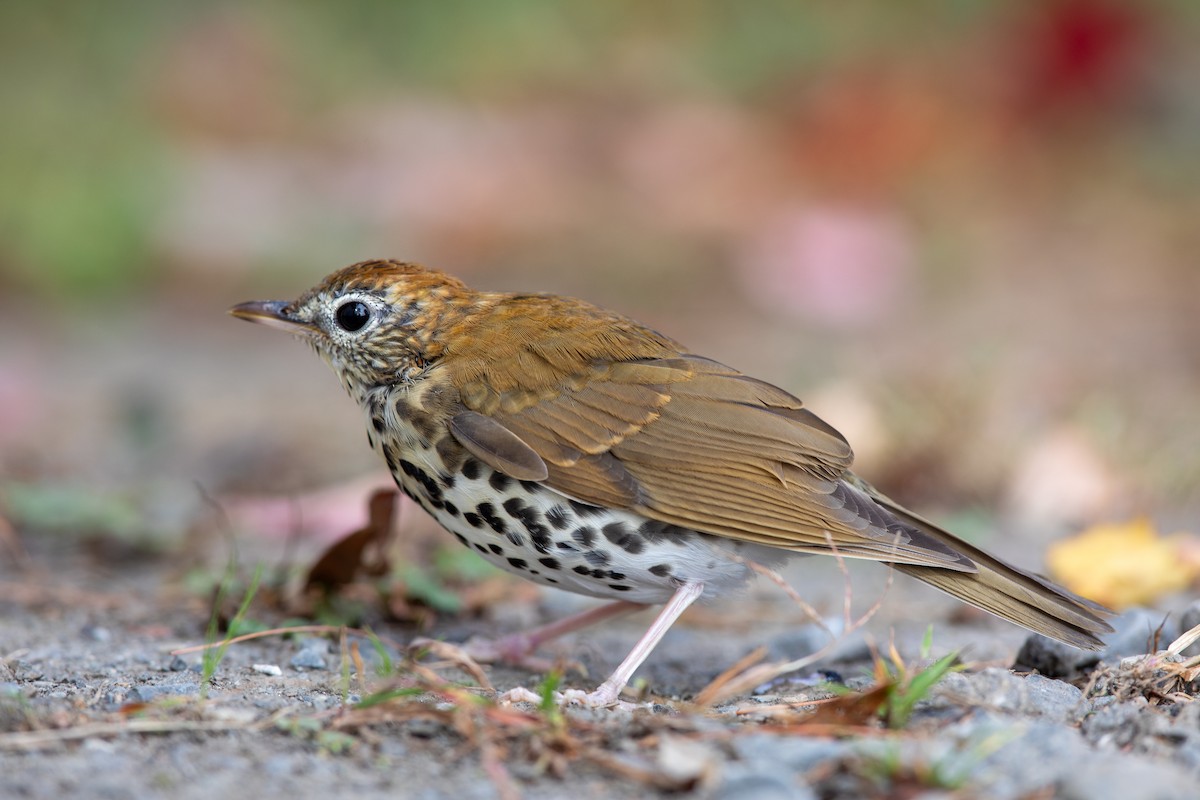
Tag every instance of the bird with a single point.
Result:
(579, 449)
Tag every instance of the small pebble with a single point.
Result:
(308, 659)
(311, 655)
(177, 665)
(95, 633)
(268, 669)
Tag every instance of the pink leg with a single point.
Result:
(515, 647)
(609, 692)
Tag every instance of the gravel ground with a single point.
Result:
(94, 704)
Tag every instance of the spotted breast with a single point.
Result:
(527, 528)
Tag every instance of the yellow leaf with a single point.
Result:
(1123, 565)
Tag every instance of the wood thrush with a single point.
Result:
(576, 448)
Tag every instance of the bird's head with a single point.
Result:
(375, 323)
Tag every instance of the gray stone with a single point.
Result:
(95, 633)
(311, 655)
(1006, 760)
(1126, 777)
(1054, 659)
(1002, 691)
(796, 754)
(148, 694)
(742, 785)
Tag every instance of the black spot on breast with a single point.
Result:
(488, 512)
(597, 557)
(531, 487)
(616, 576)
(550, 563)
(389, 455)
(530, 519)
(473, 519)
(584, 535)
(624, 537)
(582, 570)
(661, 570)
(514, 505)
(566, 546)
(551, 580)
(499, 481)
(431, 487)
(558, 518)
(471, 469)
(616, 587)
(378, 424)
(462, 539)
(518, 563)
(540, 540)
(583, 509)
(447, 481)
(515, 538)
(479, 547)
(370, 440)
(451, 509)
(655, 531)
(497, 549)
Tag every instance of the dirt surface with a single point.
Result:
(94, 704)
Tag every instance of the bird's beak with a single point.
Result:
(270, 313)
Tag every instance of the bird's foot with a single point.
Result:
(606, 696)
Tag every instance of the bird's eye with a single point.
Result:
(353, 316)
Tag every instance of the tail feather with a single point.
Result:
(1022, 597)
(1019, 596)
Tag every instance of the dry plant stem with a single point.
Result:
(281, 631)
(493, 766)
(777, 579)
(454, 656)
(1181, 644)
(33, 740)
(717, 686)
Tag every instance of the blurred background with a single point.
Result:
(964, 231)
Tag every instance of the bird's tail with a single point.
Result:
(1021, 597)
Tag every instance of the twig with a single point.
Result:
(32, 740)
(245, 637)
(706, 695)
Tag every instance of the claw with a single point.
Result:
(601, 698)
